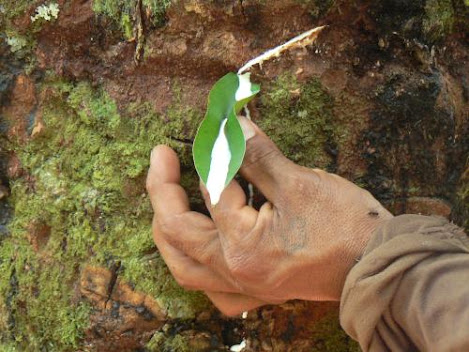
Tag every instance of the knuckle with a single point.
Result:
(207, 258)
(261, 151)
(167, 224)
(234, 226)
(295, 180)
(313, 178)
(300, 183)
(222, 215)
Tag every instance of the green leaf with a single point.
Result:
(219, 145)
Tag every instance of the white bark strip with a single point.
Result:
(301, 40)
(219, 165)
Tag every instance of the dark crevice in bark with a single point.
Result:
(242, 9)
(186, 141)
(112, 282)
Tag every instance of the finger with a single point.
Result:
(196, 236)
(189, 273)
(168, 198)
(231, 214)
(163, 178)
(232, 304)
(233, 195)
(264, 164)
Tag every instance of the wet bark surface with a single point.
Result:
(382, 98)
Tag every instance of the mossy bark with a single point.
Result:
(381, 99)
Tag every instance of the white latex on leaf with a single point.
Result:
(219, 165)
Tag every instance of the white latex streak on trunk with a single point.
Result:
(238, 348)
(301, 40)
(219, 165)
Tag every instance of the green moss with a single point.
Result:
(3, 319)
(8, 347)
(162, 343)
(114, 9)
(123, 12)
(439, 19)
(21, 39)
(157, 9)
(12, 9)
(126, 24)
(298, 117)
(22, 46)
(16, 43)
(181, 121)
(39, 12)
(86, 170)
(38, 301)
(329, 336)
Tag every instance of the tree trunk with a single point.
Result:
(88, 87)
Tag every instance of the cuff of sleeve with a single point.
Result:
(398, 245)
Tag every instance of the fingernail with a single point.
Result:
(247, 126)
(151, 156)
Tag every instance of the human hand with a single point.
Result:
(301, 244)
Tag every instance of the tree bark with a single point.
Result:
(382, 98)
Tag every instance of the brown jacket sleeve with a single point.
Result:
(410, 290)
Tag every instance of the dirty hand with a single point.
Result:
(300, 244)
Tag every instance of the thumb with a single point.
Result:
(264, 165)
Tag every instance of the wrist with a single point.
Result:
(358, 239)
